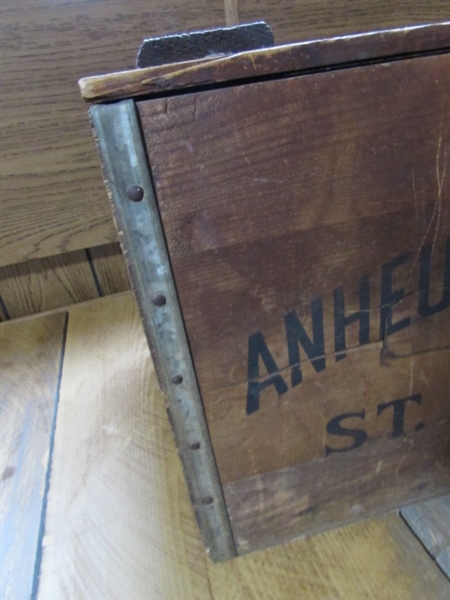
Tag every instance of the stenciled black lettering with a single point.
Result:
(257, 348)
(341, 321)
(296, 335)
(398, 412)
(334, 428)
(425, 310)
(389, 297)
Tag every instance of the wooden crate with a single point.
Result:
(285, 215)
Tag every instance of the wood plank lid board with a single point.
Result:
(285, 216)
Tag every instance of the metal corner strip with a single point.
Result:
(130, 189)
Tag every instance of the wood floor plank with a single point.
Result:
(30, 356)
(377, 560)
(430, 521)
(119, 521)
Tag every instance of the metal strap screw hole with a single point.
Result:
(159, 300)
(135, 193)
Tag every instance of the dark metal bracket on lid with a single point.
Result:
(204, 44)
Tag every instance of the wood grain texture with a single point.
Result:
(291, 429)
(281, 60)
(110, 269)
(232, 12)
(430, 521)
(53, 199)
(314, 496)
(30, 357)
(313, 199)
(119, 521)
(373, 559)
(376, 559)
(44, 284)
(293, 21)
(375, 175)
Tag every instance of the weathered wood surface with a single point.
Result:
(52, 194)
(44, 284)
(30, 358)
(53, 199)
(430, 521)
(293, 21)
(119, 521)
(270, 508)
(110, 270)
(119, 518)
(314, 281)
(259, 63)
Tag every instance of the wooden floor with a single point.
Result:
(93, 501)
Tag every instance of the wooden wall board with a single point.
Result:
(43, 284)
(298, 423)
(348, 205)
(53, 200)
(109, 266)
(292, 21)
(30, 359)
(430, 521)
(3, 312)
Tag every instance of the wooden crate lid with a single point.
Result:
(279, 60)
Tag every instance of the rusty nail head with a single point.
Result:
(195, 446)
(159, 300)
(135, 193)
(177, 379)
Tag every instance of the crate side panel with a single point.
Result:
(307, 222)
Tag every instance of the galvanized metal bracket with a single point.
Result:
(130, 188)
